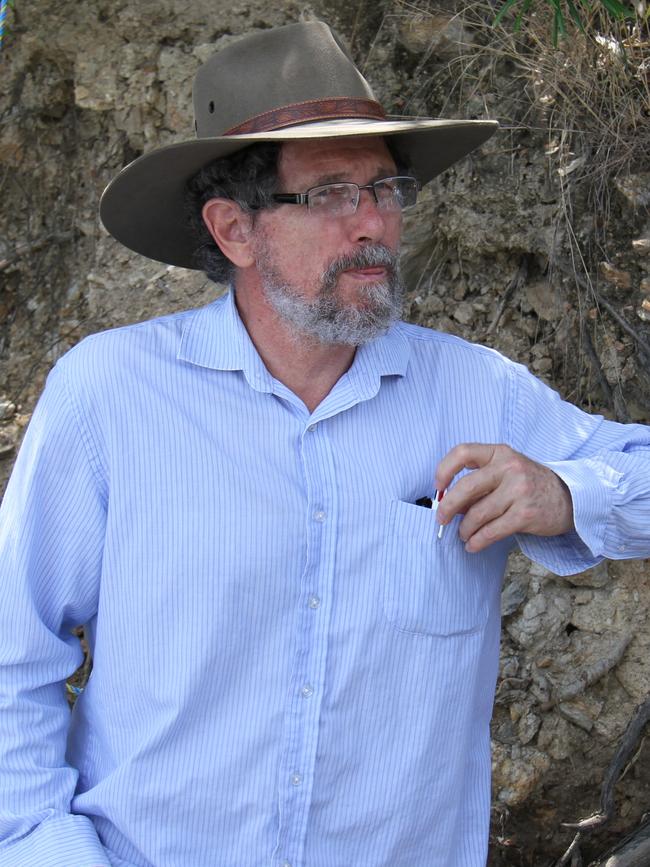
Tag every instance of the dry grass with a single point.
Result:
(586, 103)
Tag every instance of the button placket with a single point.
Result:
(312, 636)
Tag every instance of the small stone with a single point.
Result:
(542, 297)
(528, 727)
(615, 276)
(581, 712)
(441, 34)
(645, 286)
(641, 246)
(460, 290)
(513, 595)
(542, 365)
(516, 709)
(635, 188)
(643, 312)
(464, 313)
(517, 772)
(7, 410)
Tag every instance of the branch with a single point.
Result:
(603, 302)
(625, 750)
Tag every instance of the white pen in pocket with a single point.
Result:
(435, 502)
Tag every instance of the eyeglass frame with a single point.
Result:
(303, 198)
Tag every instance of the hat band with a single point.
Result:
(334, 108)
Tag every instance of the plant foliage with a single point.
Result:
(560, 10)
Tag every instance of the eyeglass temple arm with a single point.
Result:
(291, 198)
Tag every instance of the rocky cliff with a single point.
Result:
(539, 245)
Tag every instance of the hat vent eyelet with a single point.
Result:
(211, 107)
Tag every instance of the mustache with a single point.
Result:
(372, 256)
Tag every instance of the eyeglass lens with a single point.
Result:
(391, 194)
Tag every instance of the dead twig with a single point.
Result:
(572, 855)
(515, 283)
(603, 302)
(625, 325)
(625, 750)
(632, 851)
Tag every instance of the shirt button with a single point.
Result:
(319, 516)
(307, 690)
(296, 779)
(621, 548)
(286, 864)
(312, 428)
(314, 602)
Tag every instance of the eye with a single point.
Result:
(332, 197)
(388, 194)
(396, 193)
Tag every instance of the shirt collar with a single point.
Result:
(387, 355)
(215, 337)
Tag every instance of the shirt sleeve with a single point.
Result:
(605, 465)
(52, 524)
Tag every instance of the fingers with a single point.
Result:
(464, 456)
(474, 486)
(507, 493)
(488, 533)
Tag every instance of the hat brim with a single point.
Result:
(144, 206)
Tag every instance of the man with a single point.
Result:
(293, 664)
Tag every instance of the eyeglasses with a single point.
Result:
(338, 200)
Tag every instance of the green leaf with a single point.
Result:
(615, 9)
(502, 11)
(520, 17)
(575, 15)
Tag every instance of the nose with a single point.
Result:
(368, 223)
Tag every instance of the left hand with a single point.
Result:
(507, 494)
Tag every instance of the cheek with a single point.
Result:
(393, 232)
(308, 249)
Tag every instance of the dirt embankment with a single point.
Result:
(539, 246)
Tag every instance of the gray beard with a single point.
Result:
(326, 318)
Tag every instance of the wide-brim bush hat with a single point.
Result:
(282, 84)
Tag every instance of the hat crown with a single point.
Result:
(268, 71)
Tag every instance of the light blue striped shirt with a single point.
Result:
(289, 667)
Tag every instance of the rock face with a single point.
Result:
(488, 255)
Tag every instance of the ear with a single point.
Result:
(230, 226)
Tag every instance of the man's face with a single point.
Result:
(334, 278)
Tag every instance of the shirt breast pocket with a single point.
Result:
(431, 586)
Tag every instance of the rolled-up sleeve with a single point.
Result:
(606, 467)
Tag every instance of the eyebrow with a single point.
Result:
(342, 179)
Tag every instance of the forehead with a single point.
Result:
(314, 161)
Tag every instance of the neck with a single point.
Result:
(309, 368)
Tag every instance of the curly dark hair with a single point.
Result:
(248, 177)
